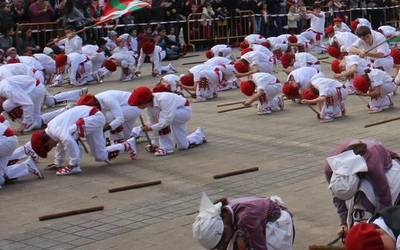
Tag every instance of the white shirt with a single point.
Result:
(165, 105)
(31, 62)
(361, 63)
(304, 59)
(255, 58)
(262, 49)
(255, 38)
(112, 101)
(388, 31)
(96, 57)
(377, 38)
(13, 69)
(378, 77)
(345, 40)
(72, 45)
(17, 89)
(317, 24)
(48, 63)
(267, 83)
(221, 50)
(200, 67)
(217, 60)
(326, 86)
(171, 80)
(302, 76)
(127, 56)
(343, 28)
(111, 45)
(59, 129)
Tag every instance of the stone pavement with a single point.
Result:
(289, 148)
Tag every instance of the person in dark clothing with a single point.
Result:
(20, 11)
(6, 16)
(172, 48)
(273, 8)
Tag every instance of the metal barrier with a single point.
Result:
(42, 33)
(218, 29)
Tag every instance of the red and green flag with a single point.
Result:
(117, 8)
(395, 39)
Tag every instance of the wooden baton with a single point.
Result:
(237, 172)
(134, 186)
(229, 103)
(381, 122)
(70, 213)
(232, 109)
(190, 63)
(313, 109)
(145, 132)
(189, 56)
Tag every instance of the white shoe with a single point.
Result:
(127, 78)
(68, 171)
(33, 168)
(130, 148)
(173, 69)
(84, 91)
(265, 112)
(281, 103)
(163, 152)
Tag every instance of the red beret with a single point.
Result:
(333, 51)
(244, 44)
(329, 29)
(308, 94)
(290, 90)
(38, 140)
(110, 65)
(395, 53)
(141, 95)
(209, 54)
(245, 51)
(187, 80)
(292, 39)
(354, 24)
(286, 60)
(13, 60)
(161, 88)
(335, 66)
(364, 236)
(247, 87)
(241, 66)
(61, 60)
(89, 100)
(361, 83)
(148, 48)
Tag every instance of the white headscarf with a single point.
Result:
(208, 226)
(345, 166)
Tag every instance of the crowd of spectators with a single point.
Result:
(86, 12)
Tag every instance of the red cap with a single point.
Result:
(245, 51)
(148, 48)
(290, 90)
(395, 53)
(13, 60)
(89, 100)
(247, 87)
(266, 44)
(110, 65)
(329, 29)
(354, 24)
(364, 236)
(187, 80)
(292, 39)
(161, 88)
(241, 66)
(209, 54)
(308, 94)
(61, 60)
(244, 44)
(141, 95)
(333, 51)
(335, 66)
(286, 60)
(38, 140)
(361, 83)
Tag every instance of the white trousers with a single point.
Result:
(85, 73)
(385, 99)
(207, 89)
(385, 63)
(65, 96)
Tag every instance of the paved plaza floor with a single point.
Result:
(289, 148)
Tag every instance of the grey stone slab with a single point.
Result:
(13, 246)
(54, 234)
(136, 225)
(100, 236)
(41, 231)
(122, 222)
(82, 241)
(63, 247)
(20, 237)
(105, 227)
(72, 229)
(119, 230)
(85, 232)
(67, 238)
(108, 219)
(91, 224)
(5, 242)
(40, 242)
(58, 226)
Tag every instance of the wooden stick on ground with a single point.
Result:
(233, 109)
(313, 109)
(189, 56)
(237, 172)
(323, 58)
(69, 213)
(229, 103)
(381, 122)
(326, 62)
(146, 133)
(134, 186)
(190, 63)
